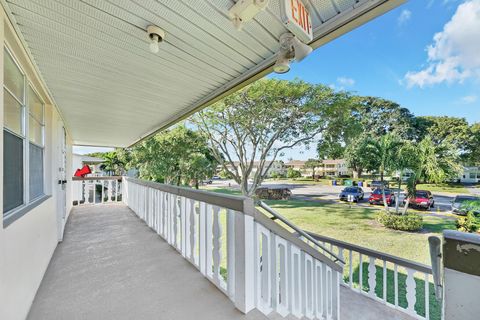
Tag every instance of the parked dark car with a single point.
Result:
(377, 184)
(355, 192)
(423, 200)
(377, 198)
(460, 205)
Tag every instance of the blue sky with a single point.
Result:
(375, 58)
(390, 57)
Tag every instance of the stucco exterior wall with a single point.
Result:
(27, 244)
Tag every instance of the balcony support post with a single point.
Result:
(244, 257)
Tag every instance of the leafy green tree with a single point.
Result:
(361, 117)
(312, 164)
(174, 156)
(472, 148)
(292, 173)
(443, 130)
(357, 156)
(261, 121)
(379, 116)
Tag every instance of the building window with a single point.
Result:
(473, 175)
(24, 130)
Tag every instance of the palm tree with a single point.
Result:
(433, 163)
(111, 163)
(383, 153)
(406, 160)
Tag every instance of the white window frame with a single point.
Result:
(28, 204)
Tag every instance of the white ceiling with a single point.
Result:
(112, 91)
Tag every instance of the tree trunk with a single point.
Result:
(244, 186)
(406, 206)
(355, 174)
(397, 198)
(196, 183)
(384, 198)
(313, 174)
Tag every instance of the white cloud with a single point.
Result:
(454, 55)
(404, 16)
(469, 99)
(344, 81)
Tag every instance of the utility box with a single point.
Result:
(461, 261)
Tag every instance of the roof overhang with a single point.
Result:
(111, 91)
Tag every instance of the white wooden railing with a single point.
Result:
(252, 259)
(398, 283)
(96, 190)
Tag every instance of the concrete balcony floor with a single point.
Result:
(112, 266)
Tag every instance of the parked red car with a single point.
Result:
(377, 198)
(423, 199)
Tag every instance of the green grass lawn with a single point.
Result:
(444, 187)
(358, 225)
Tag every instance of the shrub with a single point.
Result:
(277, 175)
(408, 222)
(291, 173)
(468, 223)
(273, 193)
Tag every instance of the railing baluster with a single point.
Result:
(177, 224)
(172, 221)
(296, 303)
(427, 296)
(350, 267)
(395, 283)
(319, 291)
(86, 192)
(372, 277)
(309, 294)
(116, 190)
(411, 290)
(281, 277)
(385, 274)
(183, 220)
(193, 232)
(109, 191)
(360, 274)
(262, 253)
(202, 235)
(217, 254)
(103, 192)
(209, 241)
(231, 253)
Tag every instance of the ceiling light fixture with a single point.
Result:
(155, 36)
(245, 10)
(290, 49)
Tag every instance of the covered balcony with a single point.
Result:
(175, 253)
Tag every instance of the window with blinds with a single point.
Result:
(23, 128)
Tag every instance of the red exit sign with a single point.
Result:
(297, 19)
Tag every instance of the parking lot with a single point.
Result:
(318, 192)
